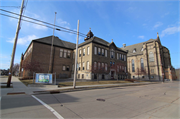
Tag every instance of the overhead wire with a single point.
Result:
(43, 22)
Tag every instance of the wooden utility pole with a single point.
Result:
(14, 47)
(51, 55)
(75, 64)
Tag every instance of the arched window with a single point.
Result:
(151, 57)
(142, 64)
(133, 68)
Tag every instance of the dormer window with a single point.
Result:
(134, 50)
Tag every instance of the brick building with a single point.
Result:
(97, 58)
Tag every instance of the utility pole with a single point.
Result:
(75, 64)
(14, 47)
(51, 55)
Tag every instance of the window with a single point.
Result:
(79, 66)
(102, 52)
(84, 52)
(99, 65)
(142, 64)
(110, 63)
(102, 66)
(113, 63)
(64, 68)
(106, 66)
(112, 54)
(79, 53)
(69, 54)
(124, 57)
(117, 68)
(134, 50)
(99, 51)
(120, 68)
(105, 53)
(117, 55)
(78, 76)
(61, 52)
(73, 55)
(67, 68)
(95, 65)
(124, 69)
(152, 70)
(133, 69)
(95, 50)
(87, 66)
(142, 76)
(65, 53)
(82, 76)
(151, 57)
(83, 66)
(87, 50)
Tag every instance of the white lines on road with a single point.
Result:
(48, 107)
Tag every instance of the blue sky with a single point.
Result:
(127, 22)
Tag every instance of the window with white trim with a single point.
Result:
(87, 65)
(95, 65)
(99, 65)
(65, 53)
(102, 52)
(64, 68)
(105, 53)
(61, 52)
(84, 52)
(106, 66)
(95, 50)
(69, 54)
(87, 50)
(99, 51)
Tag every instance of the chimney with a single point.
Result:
(124, 45)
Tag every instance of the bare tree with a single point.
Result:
(33, 66)
(140, 72)
(15, 68)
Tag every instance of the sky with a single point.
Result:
(128, 22)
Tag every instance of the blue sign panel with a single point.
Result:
(43, 78)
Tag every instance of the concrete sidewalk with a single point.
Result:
(18, 86)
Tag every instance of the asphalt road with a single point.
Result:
(136, 102)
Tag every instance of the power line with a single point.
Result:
(39, 24)
(45, 22)
(11, 6)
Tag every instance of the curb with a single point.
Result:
(85, 88)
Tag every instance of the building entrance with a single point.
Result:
(112, 74)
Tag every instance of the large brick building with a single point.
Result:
(97, 58)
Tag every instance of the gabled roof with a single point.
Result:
(137, 47)
(56, 42)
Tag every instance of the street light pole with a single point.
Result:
(75, 64)
(50, 64)
(14, 47)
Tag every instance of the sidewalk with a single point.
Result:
(18, 86)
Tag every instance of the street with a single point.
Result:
(137, 102)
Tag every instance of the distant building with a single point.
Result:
(149, 60)
(97, 58)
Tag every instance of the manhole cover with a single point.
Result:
(100, 100)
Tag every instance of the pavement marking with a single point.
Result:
(48, 107)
